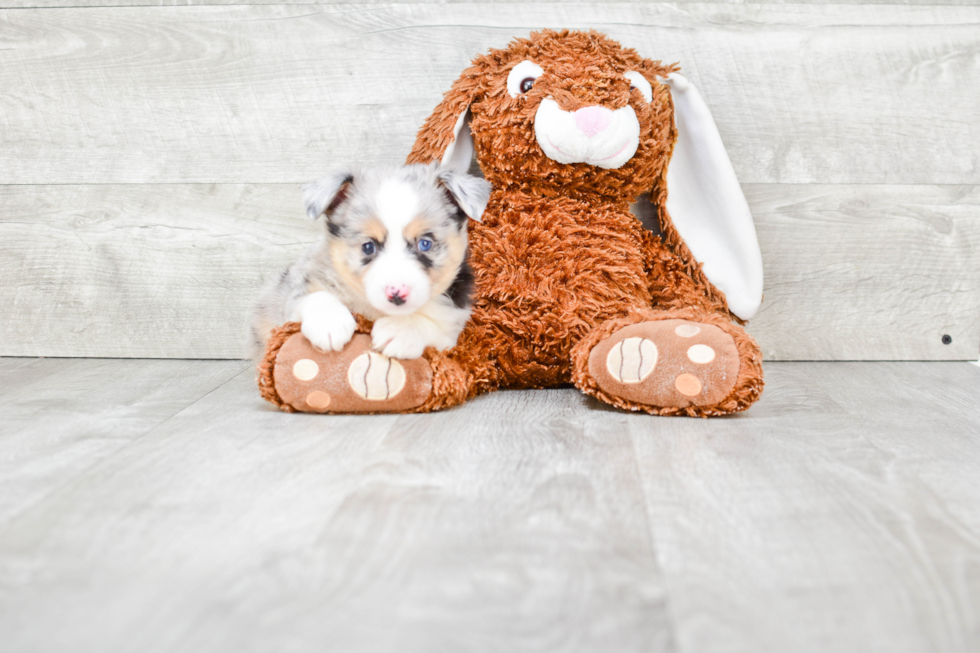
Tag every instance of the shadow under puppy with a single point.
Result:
(394, 250)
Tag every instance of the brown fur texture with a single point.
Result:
(560, 262)
(267, 366)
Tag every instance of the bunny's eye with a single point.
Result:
(640, 83)
(521, 78)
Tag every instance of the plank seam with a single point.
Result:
(123, 446)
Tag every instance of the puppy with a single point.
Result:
(394, 249)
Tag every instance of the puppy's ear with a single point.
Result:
(469, 193)
(326, 194)
(445, 135)
(706, 204)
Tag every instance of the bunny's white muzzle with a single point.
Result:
(594, 135)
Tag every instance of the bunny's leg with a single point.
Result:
(670, 362)
(685, 356)
(296, 376)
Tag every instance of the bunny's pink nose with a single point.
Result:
(592, 120)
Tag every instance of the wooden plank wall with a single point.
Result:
(150, 156)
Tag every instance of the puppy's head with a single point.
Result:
(397, 235)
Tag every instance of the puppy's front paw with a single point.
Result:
(329, 329)
(398, 338)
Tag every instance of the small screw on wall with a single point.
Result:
(947, 339)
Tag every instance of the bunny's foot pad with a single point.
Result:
(668, 363)
(354, 380)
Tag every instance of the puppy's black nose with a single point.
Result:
(397, 300)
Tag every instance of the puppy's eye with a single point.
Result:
(640, 83)
(521, 78)
(368, 248)
(424, 244)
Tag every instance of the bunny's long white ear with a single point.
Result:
(706, 204)
(459, 153)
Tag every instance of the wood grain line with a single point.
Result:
(265, 94)
(852, 272)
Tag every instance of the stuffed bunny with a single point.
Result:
(571, 129)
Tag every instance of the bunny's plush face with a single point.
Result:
(570, 110)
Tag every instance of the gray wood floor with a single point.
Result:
(160, 505)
